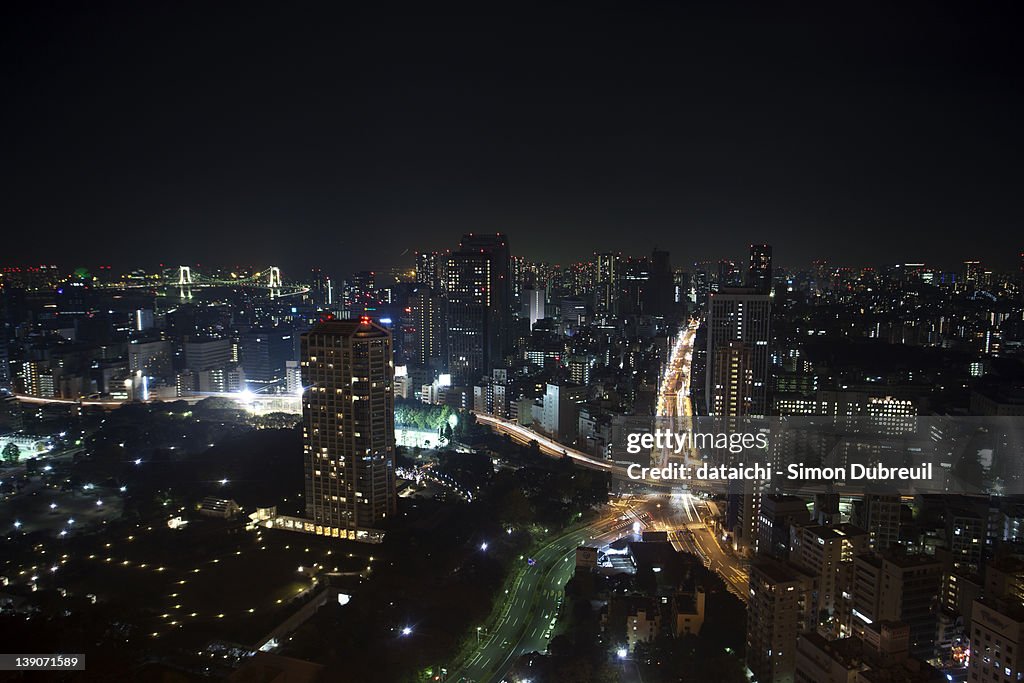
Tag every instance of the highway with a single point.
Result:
(686, 518)
(674, 389)
(529, 612)
(525, 435)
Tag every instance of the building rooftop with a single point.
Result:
(907, 561)
(776, 571)
(361, 327)
(847, 652)
(831, 531)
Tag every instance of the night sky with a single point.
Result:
(301, 135)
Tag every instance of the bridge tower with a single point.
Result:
(185, 282)
(275, 281)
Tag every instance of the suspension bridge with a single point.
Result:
(184, 279)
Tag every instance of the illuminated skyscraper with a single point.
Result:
(479, 313)
(607, 281)
(470, 321)
(536, 299)
(348, 427)
(429, 269)
(739, 321)
(759, 272)
(736, 386)
(429, 312)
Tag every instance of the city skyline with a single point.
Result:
(512, 343)
(1010, 261)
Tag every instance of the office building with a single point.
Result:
(206, 354)
(606, 292)
(264, 354)
(536, 300)
(759, 271)
(429, 269)
(150, 358)
(472, 337)
(738, 330)
(561, 411)
(997, 636)
(479, 307)
(827, 553)
(880, 517)
(777, 514)
(899, 587)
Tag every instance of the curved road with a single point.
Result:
(531, 606)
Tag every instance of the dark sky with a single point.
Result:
(300, 135)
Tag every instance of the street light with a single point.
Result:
(621, 653)
(483, 546)
(406, 630)
(478, 629)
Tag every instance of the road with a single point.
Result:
(530, 609)
(687, 519)
(674, 389)
(528, 615)
(525, 435)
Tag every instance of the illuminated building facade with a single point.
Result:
(348, 426)
(759, 271)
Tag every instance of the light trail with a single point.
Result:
(551, 446)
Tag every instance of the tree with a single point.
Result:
(11, 452)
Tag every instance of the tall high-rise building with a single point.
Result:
(536, 299)
(659, 297)
(517, 264)
(348, 426)
(429, 269)
(729, 275)
(759, 272)
(429, 317)
(495, 246)
(479, 306)
(733, 380)
(634, 283)
(736, 380)
(739, 320)
(607, 280)
(360, 292)
(471, 333)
